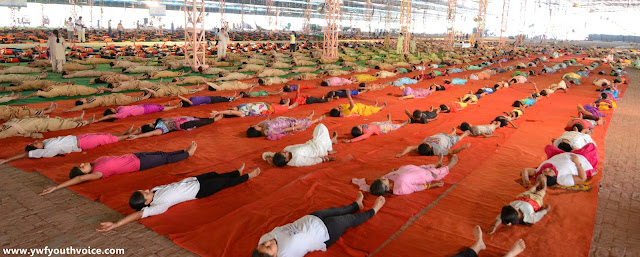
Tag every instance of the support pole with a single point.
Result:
(331, 16)
(405, 23)
(451, 18)
(481, 19)
(306, 28)
(503, 24)
(194, 41)
(242, 17)
(223, 24)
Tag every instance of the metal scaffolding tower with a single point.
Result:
(388, 17)
(270, 11)
(405, 23)
(331, 16)
(481, 19)
(242, 17)
(306, 28)
(451, 18)
(194, 41)
(503, 24)
(368, 13)
(223, 24)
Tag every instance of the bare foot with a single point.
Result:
(453, 161)
(517, 248)
(389, 117)
(453, 132)
(525, 178)
(467, 145)
(311, 114)
(376, 104)
(437, 184)
(92, 119)
(383, 105)
(192, 149)
(439, 163)
(81, 117)
(137, 131)
(479, 244)
(378, 204)
(359, 200)
(334, 139)
(254, 173)
(129, 130)
(241, 169)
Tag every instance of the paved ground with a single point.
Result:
(66, 219)
(617, 231)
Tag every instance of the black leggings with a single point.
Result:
(212, 182)
(314, 100)
(467, 253)
(292, 47)
(339, 219)
(150, 160)
(219, 99)
(196, 123)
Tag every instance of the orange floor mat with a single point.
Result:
(230, 222)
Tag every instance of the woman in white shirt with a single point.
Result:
(56, 47)
(314, 232)
(223, 41)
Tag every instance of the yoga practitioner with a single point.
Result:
(200, 100)
(158, 200)
(312, 152)
(480, 130)
(267, 81)
(275, 129)
(572, 140)
(580, 124)
(438, 144)
(29, 85)
(316, 231)
(294, 87)
(87, 73)
(565, 168)
(104, 101)
(65, 90)
(473, 251)
(335, 82)
(8, 112)
(68, 144)
(122, 112)
(257, 109)
(107, 166)
(170, 90)
(409, 179)
(301, 99)
(423, 117)
(261, 93)
(355, 109)
(32, 127)
(166, 125)
(591, 112)
(526, 209)
(112, 79)
(409, 93)
(364, 131)
(18, 78)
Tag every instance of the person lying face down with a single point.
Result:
(316, 231)
(565, 168)
(438, 144)
(158, 200)
(409, 178)
(573, 140)
(312, 152)
(526, 209)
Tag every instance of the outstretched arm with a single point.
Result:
(77, 108)
(110, 116)
(351, 103)
(407, 150)
(155, 132)
(185, 99)
(494, 226)
(106, 226)
(73, 181)
(15, 157)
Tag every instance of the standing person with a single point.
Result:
(120, 30)
(400, 44)
(292, 43)
(70, 29)
(56, 47)
(109, 27)
(80, 28)
(412, 46)
(172, 29)
(223, 41)
(475, 47)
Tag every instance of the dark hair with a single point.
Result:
(517, 104)
(257, 253)
(108, 112)
(261, 82)
(79, 102)
(552, 180)
(543, 92)
(200, 69)
(282, 101)
(211, 88)
(480, 91)
(147, 128)
(617, 80)
(377, 67)
(324, 84)
(603, 95)
(465, 126)
(124, 69)
(425, 149)
(55, 32)
(356, 132)
(378, 188)
(444, 108)
(279, 160)
(185, 103)
(29, 148)
(253, 132)
(417, 114)
(137, 201)
(112, 64)
(286, 88)
(447, 81)
(502, 120)
(75, 171)
(440, 88)
(509, 215)
(334, 113)
(578, 126)
(565, 147)
(362, 85)
(535, 95)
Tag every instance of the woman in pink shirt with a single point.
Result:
(408, 92)
(410, 178)
(107, 166)
(335, 82)
(122, 112)
(364, 131)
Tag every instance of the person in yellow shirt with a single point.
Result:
(355, 109)
(363, 78)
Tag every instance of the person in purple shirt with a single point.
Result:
(409, 178)
(200, 100)
(122, 112)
